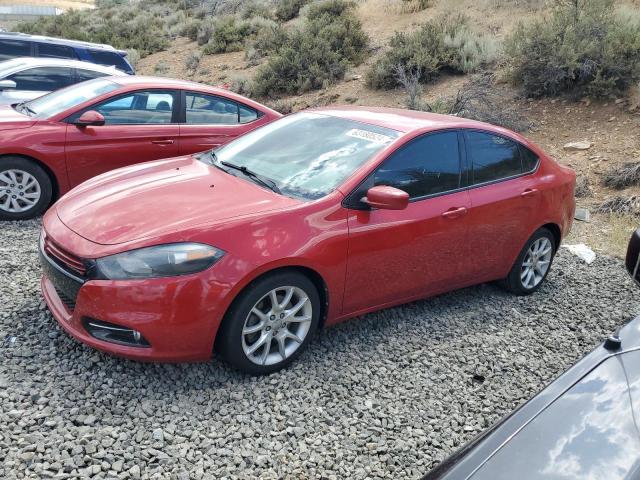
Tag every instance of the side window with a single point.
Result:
(51, 50)
(247, 114)
(109, 59)
(44, 79)
(426, 166)
(14, 48)
(529, 159)
(138, 108)
(84, 75)
(210, 110)
(492, 157)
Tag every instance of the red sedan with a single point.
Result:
(317, 217)
(53, 143)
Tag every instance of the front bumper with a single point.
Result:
(178, 316)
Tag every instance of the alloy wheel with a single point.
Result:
(19, 191)
(536, 262)
(277, 325)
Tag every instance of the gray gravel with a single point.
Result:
(384, 396)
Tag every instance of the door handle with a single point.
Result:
(529, 192)
(455, 212)
(162, 142)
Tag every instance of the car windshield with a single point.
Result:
(307, 155)
(61, 100)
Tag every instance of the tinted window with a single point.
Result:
(14, 48)
(84, 75)
(44, 79)
(529, 159)
(492, 157)
(138, 108)
(55, 51)
(210, 110)
(426, 166)
(109, 59)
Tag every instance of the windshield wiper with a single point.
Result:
(264, 181)
(23, 106)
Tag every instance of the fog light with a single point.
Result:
(109, 332)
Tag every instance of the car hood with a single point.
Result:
(154, 198)
(11, 119)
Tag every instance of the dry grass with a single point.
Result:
(620, 205)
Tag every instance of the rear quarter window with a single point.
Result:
(109, 59)
(529, 159)
(52, 50)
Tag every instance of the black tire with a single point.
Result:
(229, 341)
(35, 170)
(514, 283)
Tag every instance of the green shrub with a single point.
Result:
(445, 44)
(315, 55)
(584, 48)
(141, 27)
(228, 35)
(256, 9)
(289, 9)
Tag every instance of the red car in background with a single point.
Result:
(53, 143)
(312, 219)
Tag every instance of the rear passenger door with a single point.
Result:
(139, 126)
(210, 121)
(504, 201)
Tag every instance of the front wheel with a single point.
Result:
(533, 264)
(270, 323)
(25, 189)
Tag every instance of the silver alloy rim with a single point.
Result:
(536, 262)
(19, 191)
(277, 325)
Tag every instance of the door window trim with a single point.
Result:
(356, 204)
(468, 166)
(177, 104)
(182, 119)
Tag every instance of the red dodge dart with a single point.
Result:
(53, 143)
(248, 249)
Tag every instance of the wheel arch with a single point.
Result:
(55, 184)
(315, 277)
(555, 230)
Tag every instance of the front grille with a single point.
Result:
(69, 302)
(63, 258)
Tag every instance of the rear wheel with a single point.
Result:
(25, 189)
(533, 264)
(270, 323)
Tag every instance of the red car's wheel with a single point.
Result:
(270, 323)
(533, 264)
(25, 189)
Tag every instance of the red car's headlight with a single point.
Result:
(159, 261)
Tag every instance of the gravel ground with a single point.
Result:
(385, 396)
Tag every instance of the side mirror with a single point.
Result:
(90, 118)
(386, 198)
(7, 84)
(633, 256)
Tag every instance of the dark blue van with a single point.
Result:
(14, 45)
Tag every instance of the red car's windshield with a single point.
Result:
(54, 103)
(307, 155)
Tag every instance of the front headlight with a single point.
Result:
(160, 261)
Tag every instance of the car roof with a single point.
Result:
(164, 82)
(402, 120)
(28, 62)
(60, 41)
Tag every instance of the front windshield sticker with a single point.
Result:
(370, 136)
